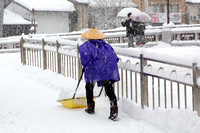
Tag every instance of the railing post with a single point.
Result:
(120, 39)
(178, 37)
(196, 89)
(143, 82)
(58, 57)
(157, 38)
(166, 35)
(22, 51)
(196, 36)
(44, 55)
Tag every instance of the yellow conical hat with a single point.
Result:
(93, 33)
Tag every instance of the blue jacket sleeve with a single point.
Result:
(114, 54)
(84, 55)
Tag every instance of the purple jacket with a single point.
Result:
(100, 61)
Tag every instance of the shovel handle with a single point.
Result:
(83, 70)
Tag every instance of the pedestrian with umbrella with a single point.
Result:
(140, 18)
(130, 29)
(99, 61)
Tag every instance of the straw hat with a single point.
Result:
(93, 33)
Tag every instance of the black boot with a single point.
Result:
(90, 109)
(113, 112)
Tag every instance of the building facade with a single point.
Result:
(193, 12)
(157, 9)
(79, 19)
(52, 19)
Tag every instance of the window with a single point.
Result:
(162, 9)
(172, 9)
(198, 16)
(154, 9)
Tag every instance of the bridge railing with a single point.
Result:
(150, 81)
(178, 35)
(186, 37)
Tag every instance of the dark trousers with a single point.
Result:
(109, 89)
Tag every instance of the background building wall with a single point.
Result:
(52, 22)
(193, 13)
(160, 6)
(47, 21)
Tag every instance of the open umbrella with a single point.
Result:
(141, 17)
(125, 11)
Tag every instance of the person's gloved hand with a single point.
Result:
(83, 69)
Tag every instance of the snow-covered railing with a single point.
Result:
(119, 36)
(186, 36)
(52, 54)
(10, 44)
(166, 82)
(178, 35)
(146, 78)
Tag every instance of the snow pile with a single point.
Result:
(168, 120)
(168, 25)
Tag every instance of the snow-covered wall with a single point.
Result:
(52, 22)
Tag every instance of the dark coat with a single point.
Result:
(140, 28)
(130, 27)
(100, 61)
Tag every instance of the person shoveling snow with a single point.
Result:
(100, 63)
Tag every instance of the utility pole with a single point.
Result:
(167, 11)
(146, 6)
(1, 17)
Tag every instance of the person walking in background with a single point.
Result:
(140, 38)
(99, 60)
(130, 30)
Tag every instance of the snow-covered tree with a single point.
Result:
(103, 13)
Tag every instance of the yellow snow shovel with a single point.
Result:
(76, 102)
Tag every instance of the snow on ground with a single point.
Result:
(28, 105)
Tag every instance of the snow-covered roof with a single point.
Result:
(13, 18)
(193, 1)
(83, 1)
(47, 5)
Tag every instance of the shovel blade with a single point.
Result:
(78, 102)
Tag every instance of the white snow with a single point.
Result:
(9, 15)
(168, 25)
(28, 104)
(83, 1)
(193, 1)
(47, 5)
